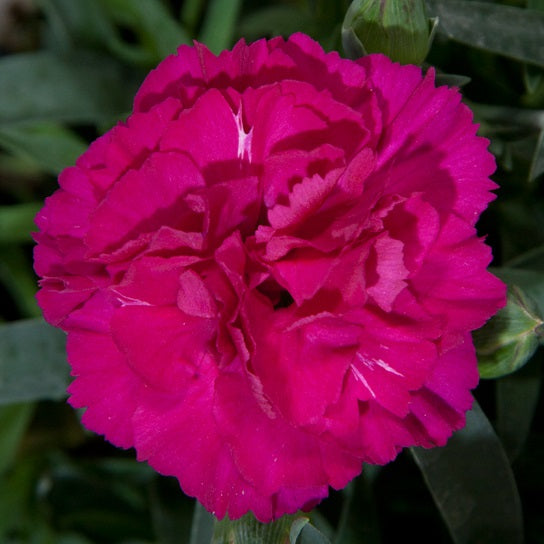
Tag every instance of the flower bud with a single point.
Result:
(398, 28)
(510, 338)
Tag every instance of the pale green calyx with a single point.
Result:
(398, 28)
(510, 338)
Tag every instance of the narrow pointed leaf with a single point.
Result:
(310, 535)
(473, 486)
(530, 260)
(76, 24)
(78, 87)
(219, 24)
(296, 529)
(517, 400)
(359, 518)
(537, 164)
(51, 146)
(274, 20)
(157, 29)
(14, 420)
(510, 31)
(530, 281)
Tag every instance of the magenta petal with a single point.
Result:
(292, 461)
(194, 298)
(109, 409)
(389, 270)
(207, 132)
(305, 197)
(142, 200)
(269, 273)
(172, 340)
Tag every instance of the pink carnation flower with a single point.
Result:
(269, 274)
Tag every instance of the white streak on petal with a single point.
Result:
(359, 377)
(244, 138)
(379, 362)
(130, 301)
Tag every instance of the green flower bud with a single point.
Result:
(398, 28)
(510, 338)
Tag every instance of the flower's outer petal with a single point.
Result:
(126, 146)
(136, 205)
(60, 296)
(109, 408)
(429, 125)
(64, 215)
(292, 457)
(454, 281)
(165, 427)
(455, 376)
(177, 342)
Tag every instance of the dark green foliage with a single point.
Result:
(83, 61)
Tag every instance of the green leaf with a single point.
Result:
(359, 521)
(219, 24)
(530, 282)
(310, 535)
(303, 532)
(276, 20)
(81, 87)
(191, 11)
(14, 420)
(18, 488)
(112, 495)
(516, 401)
(510, 338)
(32, 362)
(452, 80)
(530, 260)
(17, 276)
(76, 24)
(202, 526)
(51, 146)
(473, 485)
(537, 164)
(171, 511)
(510, 31)
(531, 120)
(296, 529)
(17, 222)
(159, 33)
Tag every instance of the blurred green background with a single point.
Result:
(68, 71)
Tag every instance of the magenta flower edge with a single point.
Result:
(269, 274)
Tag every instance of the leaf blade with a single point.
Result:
(473, 486)
(202, 525)
(509, 31)
(80, 87)
(32, 362)
(218, 28)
